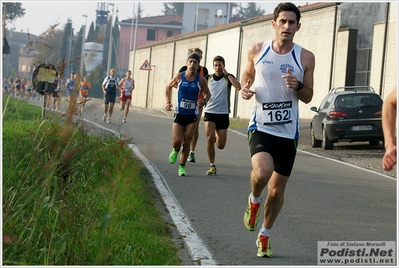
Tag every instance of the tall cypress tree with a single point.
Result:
(64, 53)
(106, 44)
(91, 35)
(115, 44)
(77, 50)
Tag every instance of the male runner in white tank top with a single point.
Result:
(127, 86)
(280, 73)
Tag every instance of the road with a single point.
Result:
(326, 199)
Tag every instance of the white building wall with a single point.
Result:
(140, 77)
(390, 59)
(340, 58)
(316, 35)
(376, 57)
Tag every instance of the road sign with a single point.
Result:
(45, 78)
(146, 66)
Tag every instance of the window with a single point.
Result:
(169, 33)
(325, 103)
(151, 35)
(363, 67)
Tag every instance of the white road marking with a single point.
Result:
(198, 251)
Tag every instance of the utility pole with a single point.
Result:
(110, 39)
(69, 49)
(82, 56)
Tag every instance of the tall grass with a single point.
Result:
(70, 198)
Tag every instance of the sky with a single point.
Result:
(40, 15)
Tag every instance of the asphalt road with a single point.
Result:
(326, 199)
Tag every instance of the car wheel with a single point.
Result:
(315, 143)
(327, 144)
(374, 142)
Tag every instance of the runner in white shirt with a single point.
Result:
(127, 86)
(281, 73)
(217, 110)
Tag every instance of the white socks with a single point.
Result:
(256, 200)
(264, 231)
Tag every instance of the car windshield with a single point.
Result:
(358, 100)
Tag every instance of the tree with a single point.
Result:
(115, 45)
(13, 11)
(139, 10)
(91, 35)
(114, 40)
(96, 78)
(252, 10)
(47, 49)
(53, 47)
(77, 50)
(65, 51)
(106, 43)
(173, 8)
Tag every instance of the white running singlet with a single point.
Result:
(128, 85)
(276, 108)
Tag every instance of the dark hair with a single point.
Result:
(287, 7)
(219, 58)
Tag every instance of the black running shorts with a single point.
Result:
(222, 121)
(282, 150)
(185, 119)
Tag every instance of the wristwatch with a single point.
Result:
(300, 85)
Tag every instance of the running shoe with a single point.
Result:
(109, 121)
(124, 120)
(191, 158)
(182, 170)
(251, 215)
(264, 248)
(104, 117)
(211, 171)
(173, 156)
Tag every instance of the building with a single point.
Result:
(149, 29)
(203, 15)
(353, 44)
(19, 61)
(196, 16)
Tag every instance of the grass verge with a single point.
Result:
(70, 198)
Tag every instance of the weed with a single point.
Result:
(70, 198)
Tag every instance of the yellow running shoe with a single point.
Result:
(264, 248)
(211, 171)
(251, 216)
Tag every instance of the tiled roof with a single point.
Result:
(167, 19)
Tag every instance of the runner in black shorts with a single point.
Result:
(216, 112)
(282, 150)
(184, 119)
(189, 85)
(222, 121)
(279, 73)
